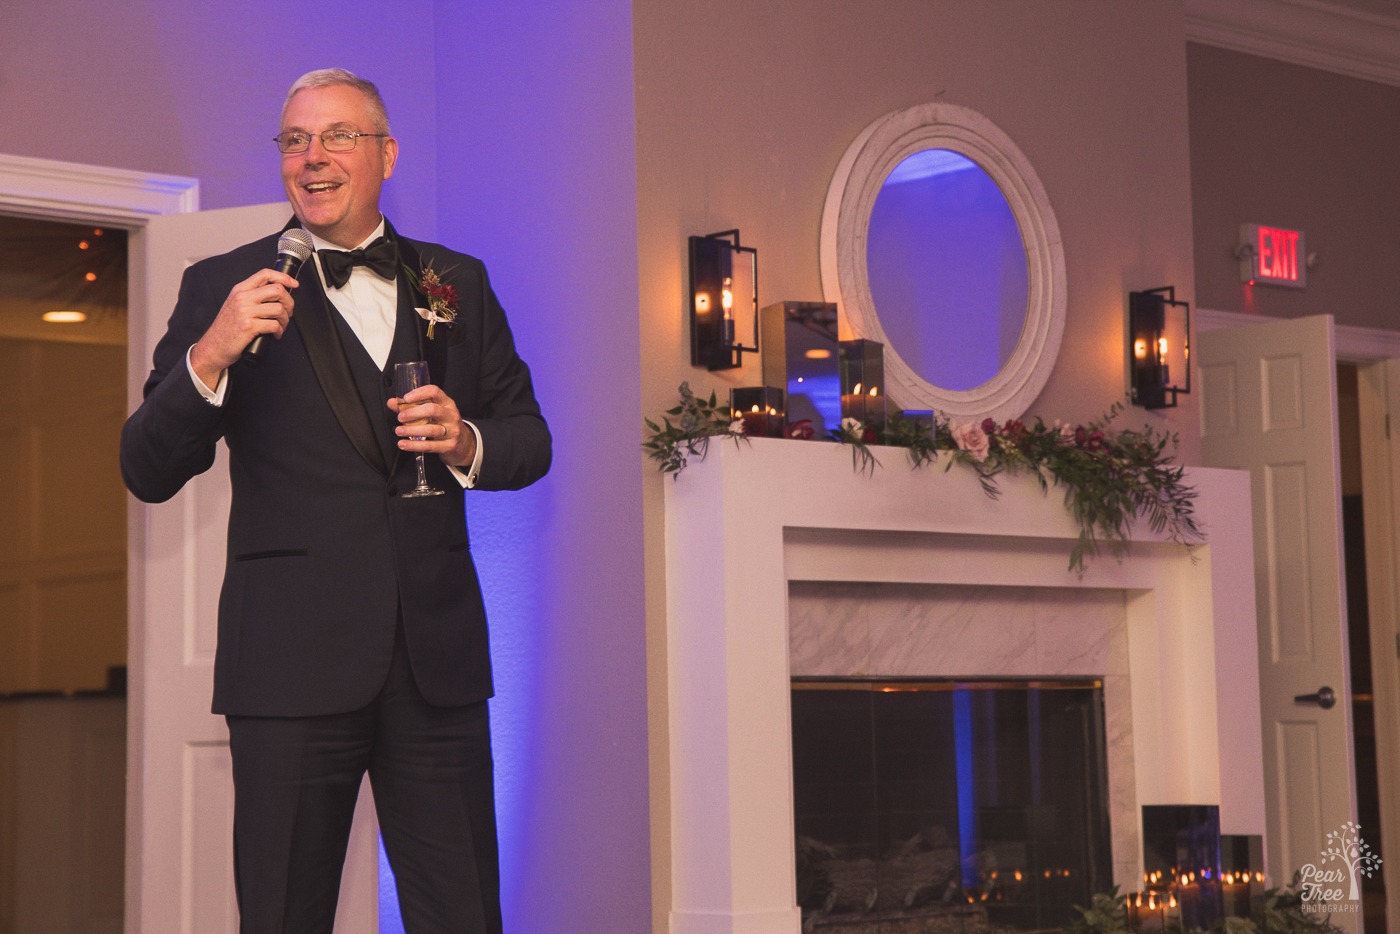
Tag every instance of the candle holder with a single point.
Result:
(863, 382)
(1181, 853)
(762, 410)
(800, 353)
(1241, 871)
(923, 418)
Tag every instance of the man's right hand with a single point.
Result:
(260, 304)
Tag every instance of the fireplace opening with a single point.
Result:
(940, 805)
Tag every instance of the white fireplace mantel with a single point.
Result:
(748, 520)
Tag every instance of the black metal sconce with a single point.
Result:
(723, 286)
(1159, 339)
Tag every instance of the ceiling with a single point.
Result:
(50, 266)
(1359, 38)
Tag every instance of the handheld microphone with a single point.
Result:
(293, 249)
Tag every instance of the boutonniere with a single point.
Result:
(441, 297)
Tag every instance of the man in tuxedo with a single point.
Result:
(352, 635)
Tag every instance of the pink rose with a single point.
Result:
(972, 439)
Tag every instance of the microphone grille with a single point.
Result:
(296, 242)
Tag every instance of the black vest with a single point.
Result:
(376, 386)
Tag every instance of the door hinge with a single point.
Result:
(1397, 645)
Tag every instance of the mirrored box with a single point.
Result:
(801, 354)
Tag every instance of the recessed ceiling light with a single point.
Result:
(65, 317)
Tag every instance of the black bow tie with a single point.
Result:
(381, 256)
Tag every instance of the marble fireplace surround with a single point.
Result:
(838, 629)
(757, 537)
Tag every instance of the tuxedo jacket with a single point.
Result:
(323, 556)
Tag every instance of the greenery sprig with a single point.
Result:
(898, 431)
(1110, 478)
(697, 420)
(1279, 911)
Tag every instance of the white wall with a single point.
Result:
(515, 124)
(744, 109)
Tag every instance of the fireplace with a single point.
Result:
(939, 804)
(751, 527)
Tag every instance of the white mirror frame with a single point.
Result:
(845, 279)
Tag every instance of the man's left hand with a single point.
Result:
(431, 413)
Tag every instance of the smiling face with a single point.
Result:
(336, 194)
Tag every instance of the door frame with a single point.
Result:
(73, 192)
(1376, 355)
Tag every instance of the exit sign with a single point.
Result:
(1272, 256)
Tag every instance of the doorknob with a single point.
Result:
(1326, 698)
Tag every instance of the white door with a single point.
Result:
(180, 790)
(1269, 405)
(1379, 395)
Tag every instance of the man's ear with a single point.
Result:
(391, 155)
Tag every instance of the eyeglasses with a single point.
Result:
(331, 140)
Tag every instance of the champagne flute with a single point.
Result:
(408, 377)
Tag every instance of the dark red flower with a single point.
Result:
(443, 291)
(800, 430)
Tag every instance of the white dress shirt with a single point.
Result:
(369, 304)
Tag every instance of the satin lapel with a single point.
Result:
(313, 318)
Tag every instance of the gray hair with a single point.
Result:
(330, 77)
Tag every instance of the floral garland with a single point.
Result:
(1109, 477)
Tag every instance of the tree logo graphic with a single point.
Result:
(1346, 859)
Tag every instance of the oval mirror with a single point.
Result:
(939, 242)
(947, 269)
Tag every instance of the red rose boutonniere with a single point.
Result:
(441, 297)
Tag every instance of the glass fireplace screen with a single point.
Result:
(940, 805)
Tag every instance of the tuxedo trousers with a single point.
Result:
(296, 780)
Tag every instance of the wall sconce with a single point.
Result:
(723, 287)
(1157, 342)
